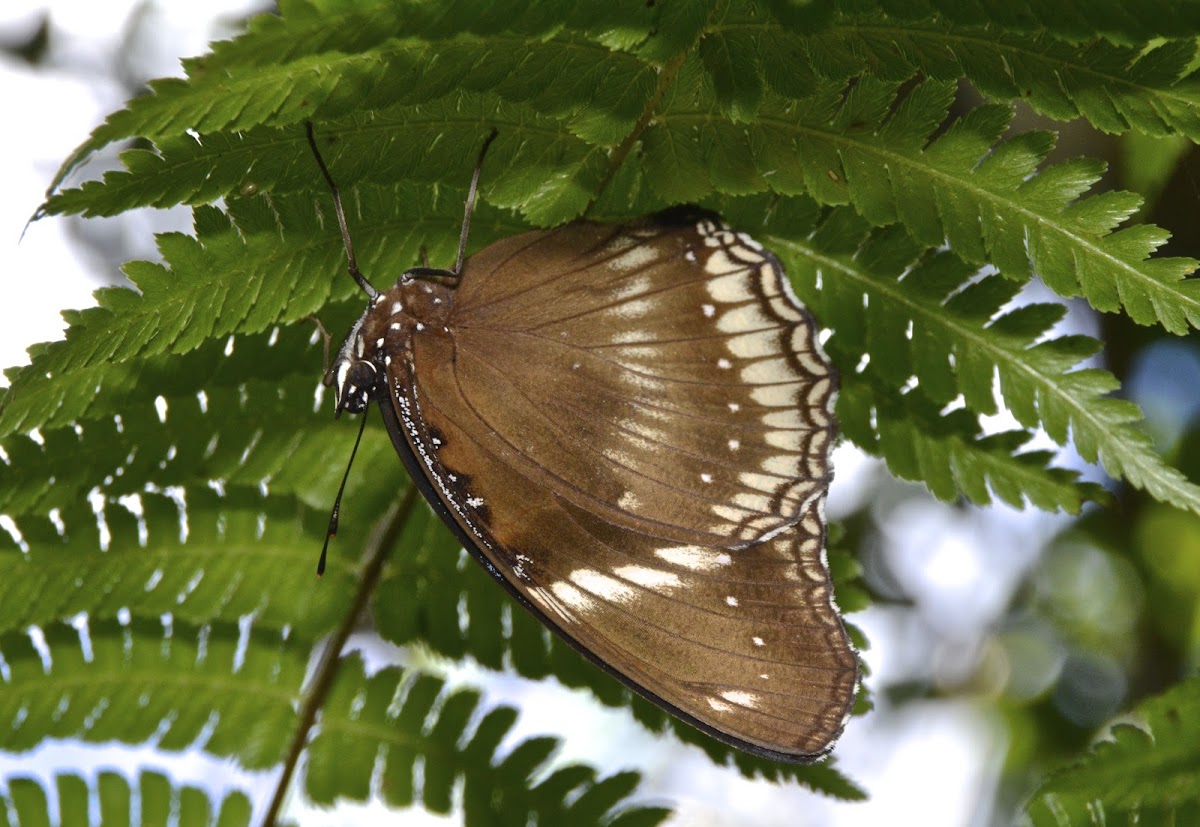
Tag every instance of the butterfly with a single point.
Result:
(630, 427)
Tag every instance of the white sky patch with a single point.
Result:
(96, 499)
(8, 524)
(133, 504)
(55, 516)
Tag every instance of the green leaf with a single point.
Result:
(731, 59)
(1139, 773)
(158, 801)
(211, 687)
(328, 65)
(236, 276)
(1070, 20)
(1116, 87)
(960, 339)
(365, 729)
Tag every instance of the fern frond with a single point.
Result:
(1116, 87)
(716, 130)
(212, 687)
(1142, 773)
(872, 289)
(154, 798)
(948, 453)
(425, 142)
(236, 276)
(390, 722)
(985, 198)
(1072, 20)
(234, 543)
(369, 58)
(206, 419)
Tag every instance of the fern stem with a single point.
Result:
(379, 544)
(665, 78)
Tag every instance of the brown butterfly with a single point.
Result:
(629, 426)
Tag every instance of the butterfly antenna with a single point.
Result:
(337, 503)
(351, 263)
(466, 227)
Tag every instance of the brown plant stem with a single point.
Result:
(379, 544)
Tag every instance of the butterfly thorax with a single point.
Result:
(385, 332)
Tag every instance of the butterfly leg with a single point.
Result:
(326, 368)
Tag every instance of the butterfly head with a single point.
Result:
(352, 376)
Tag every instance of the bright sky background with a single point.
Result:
(931, 763)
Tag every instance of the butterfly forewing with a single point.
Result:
(631, 427)
(688, 396)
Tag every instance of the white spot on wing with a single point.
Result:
(775, 396)
(744, 319)
(755, 247)
(783, 465)
(755, 345)
(759, 482)
(636, 257)
(644, 430)
(633, 287)
(572, 596)
(725, 512)
(753, 502)
(741, 697)
(719, 263)
(768, 371)
(624, 337)
(785, 309)
(601, 585)
(695, 558)
(731, 289)
(619, 457)
(650, 578)
(632, 309)
(788, 440)
(811, 364)
(784, 419)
